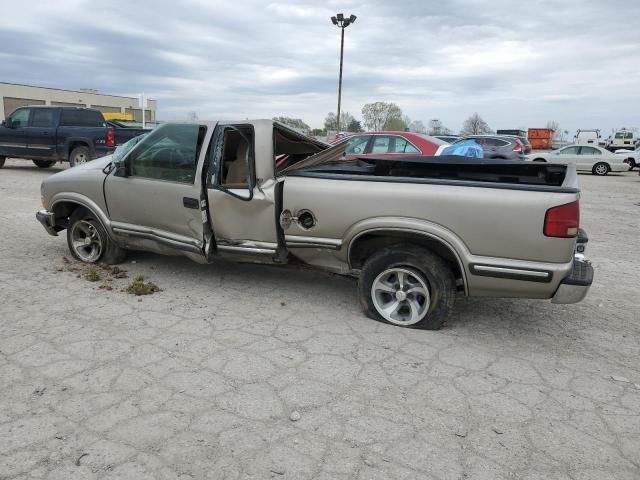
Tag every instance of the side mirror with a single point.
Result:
(7, 123)
(121, 169)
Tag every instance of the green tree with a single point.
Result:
(345, 120)
(354, 126)
(379, 116)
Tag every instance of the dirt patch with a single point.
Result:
(138, 286)
(108, 275)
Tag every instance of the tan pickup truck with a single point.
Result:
(416, 231)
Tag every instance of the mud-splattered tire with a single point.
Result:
(408, 286)
(79, 155)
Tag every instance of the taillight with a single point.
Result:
(110, 140)
(517, 147)
(562, 221)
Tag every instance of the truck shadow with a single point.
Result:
(331, 294)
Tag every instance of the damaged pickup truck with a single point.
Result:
(416, 231)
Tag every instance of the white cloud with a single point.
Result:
(516, 64)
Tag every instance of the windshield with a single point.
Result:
(126, 147)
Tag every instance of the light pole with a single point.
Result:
(341, 22)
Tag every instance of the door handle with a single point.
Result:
(189, 202)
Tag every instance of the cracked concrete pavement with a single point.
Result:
(254, 372)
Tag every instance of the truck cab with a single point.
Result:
(47, 134)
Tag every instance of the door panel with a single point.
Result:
(153, 207)
(242, 212)
(13, 141)
(235, 220)
(41, 135)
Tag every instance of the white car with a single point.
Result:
(630, 157)
(593, 159)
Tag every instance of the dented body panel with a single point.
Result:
(239, 202)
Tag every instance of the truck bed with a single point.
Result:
(451, 170)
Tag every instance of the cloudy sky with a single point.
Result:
(518, 64)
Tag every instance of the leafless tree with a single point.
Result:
(437, 128)
(475, 125)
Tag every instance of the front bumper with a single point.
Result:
(574, 288)
(48, 221)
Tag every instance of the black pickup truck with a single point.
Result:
(47, 134)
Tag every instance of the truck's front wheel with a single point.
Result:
(88, 240)
(79, 155)
(407, 286)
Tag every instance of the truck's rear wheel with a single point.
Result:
(43, 163)
(407, 286)
(88, 240)
(2, 160)
(79, 155)
(600, 169)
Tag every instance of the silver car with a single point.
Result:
(498, 147)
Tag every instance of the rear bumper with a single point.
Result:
(48, 221)
(574, 288)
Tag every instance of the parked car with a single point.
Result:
(47, 134)
(597, 160)
(527, 148)
(392, 144)
(631, 157)
(498, 147)
(414, 230)
(448, 138)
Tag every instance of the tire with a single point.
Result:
(539, 160)
(2, 160)
(44, 163)
(600, 169)
(416, 268)
(79, 155)
(632, 164)
(100, 248)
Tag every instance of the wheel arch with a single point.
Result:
(366, 243)
(63, 206)
(74, 143)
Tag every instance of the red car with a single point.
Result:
(392, 144)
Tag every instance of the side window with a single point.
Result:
(76, 117)
(495, 142)
(232, 157)
(402, 146)
(20, 118)
(357, 144)
(589, 151)
(569, 151)
(380, 144)
(168, 153)
(42, 117)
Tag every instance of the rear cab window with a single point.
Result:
(42, 118)
(76, 117)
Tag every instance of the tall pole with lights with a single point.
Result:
(341, 22)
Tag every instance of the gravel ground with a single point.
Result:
(253, 372)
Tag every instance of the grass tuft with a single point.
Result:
(92, 274)
(138, 286)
